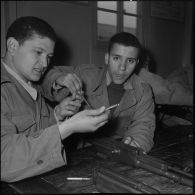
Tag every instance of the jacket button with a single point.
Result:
(39, 162)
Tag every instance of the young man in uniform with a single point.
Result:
(32, 133)
(133, 120)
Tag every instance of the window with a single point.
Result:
(106, 19)
(117, 16)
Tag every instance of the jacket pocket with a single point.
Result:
(24, 122)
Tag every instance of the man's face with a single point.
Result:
(121, 62)
(30, 59)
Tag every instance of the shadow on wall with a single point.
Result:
(146, 60)
(62, 53)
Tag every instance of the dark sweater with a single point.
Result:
(115, 93)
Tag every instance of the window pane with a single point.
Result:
(130, 24)
(130, 7)
(112, 5)
(106, 25)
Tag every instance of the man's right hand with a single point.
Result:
(72, 82)
(84, 121)
(68, 107)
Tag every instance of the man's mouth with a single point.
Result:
(119, 76)
(40, 71)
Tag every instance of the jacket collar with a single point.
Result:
(9, 75)
(5, 76)
(99, 80)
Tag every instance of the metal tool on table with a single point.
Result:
(110, 181)
(120, 152)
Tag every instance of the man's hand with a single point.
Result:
(68, 107)
(84, 121)
(130, 141)
(72, 82)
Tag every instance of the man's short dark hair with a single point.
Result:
(124, 38)
(24, 28)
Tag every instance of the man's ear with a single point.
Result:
(106, 58)
(12, 45)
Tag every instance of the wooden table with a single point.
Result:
(176, 149)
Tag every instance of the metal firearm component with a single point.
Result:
(132, 156)
(109, 181)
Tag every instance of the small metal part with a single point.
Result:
(78, 178)
(113, 106)
(84, 99)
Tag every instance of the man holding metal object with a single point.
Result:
(31, 132)
(132, 119)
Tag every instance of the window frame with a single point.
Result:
(120, 19)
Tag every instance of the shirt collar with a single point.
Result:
(27, 86)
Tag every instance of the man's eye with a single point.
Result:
(38, 52)
(131, 60)
(115, 58)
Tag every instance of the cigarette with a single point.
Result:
(78, 178)
(113, 106)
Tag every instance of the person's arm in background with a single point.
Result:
(160, 86)
(141, 130)
(181, 82)
(167, 91)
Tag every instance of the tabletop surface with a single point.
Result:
(83, 163)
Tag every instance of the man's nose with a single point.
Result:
(44, 62)
(123, 65)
